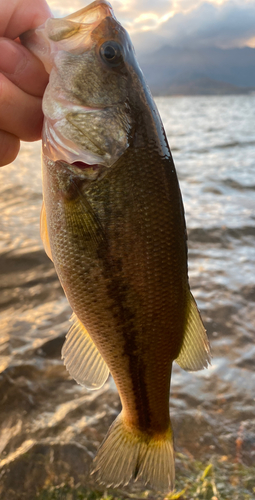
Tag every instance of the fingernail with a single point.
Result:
(12, 57)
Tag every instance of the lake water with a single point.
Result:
(43, 413)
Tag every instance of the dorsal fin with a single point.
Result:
(195, 351)
(82, 358)
(44, 232)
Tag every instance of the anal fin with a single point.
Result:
(82, 358)
(195, 351)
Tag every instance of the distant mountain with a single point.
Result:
(203, 86)
(180, 71)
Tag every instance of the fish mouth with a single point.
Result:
(94, 12)
(72, 33)
(84, 166)
(84, 171)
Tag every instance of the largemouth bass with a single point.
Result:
(113, 223)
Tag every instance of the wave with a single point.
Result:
(237, 185)
(220, 234)
(234, 144)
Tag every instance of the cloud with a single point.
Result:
(230, 24)
(61, 8)
(195, 23)
(130, 13)
(226, 25)
(136, 8)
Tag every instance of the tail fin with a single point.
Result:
(125, 455)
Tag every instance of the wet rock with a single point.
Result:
(52, 348)
(44, 464)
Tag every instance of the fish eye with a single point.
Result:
(111, 52)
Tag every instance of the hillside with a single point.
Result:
(207, 71)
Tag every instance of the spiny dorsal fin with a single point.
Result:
(44, 232)
(82, 358)
(195, 352)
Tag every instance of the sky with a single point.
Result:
(179, 23)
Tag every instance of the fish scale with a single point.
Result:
(152, 284)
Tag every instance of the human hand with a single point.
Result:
(22, 77)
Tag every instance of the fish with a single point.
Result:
(113, 223)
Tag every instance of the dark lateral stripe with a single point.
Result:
(118, 292)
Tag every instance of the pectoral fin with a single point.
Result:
(82, 358)
(84, 224)
(195, 352)
(44, 232)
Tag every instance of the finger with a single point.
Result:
(22, 67)
(20, 113)
(9, 147)
(24, 15)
